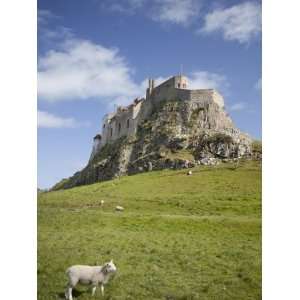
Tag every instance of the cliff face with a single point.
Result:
(176, 134)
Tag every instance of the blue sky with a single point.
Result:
(93, 55)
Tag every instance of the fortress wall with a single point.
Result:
(168, 83)
(204, 96)
(218, 98)
(166, 92)
(172, 89)
(146, 110)
(182, 94)
(136, 109)
(118, 125)
(180, 82)
(123, 123)
(105, 130)
(200, 96)
(163, 92)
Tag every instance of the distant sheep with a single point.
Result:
(119, 208)
(89, 275)
(189, 173)
(101, 202)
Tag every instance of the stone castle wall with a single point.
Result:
(125, 120)
(168, 90)
(176, 89)
(122, 123)
(203, 95)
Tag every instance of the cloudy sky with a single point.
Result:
(94, 54)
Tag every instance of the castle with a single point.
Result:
(172, 127)
(124, 121)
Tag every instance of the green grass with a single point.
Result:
(180, 237)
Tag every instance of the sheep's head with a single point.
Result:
(110, 267)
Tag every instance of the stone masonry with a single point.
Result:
(125, 120)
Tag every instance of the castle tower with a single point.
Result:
(181, 82)
(96, 145)
(150, 87)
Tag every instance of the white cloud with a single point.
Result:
(47, 120)
(238, 106)
(180, 12)
(78, 69)
(44, 15)
(59, 34)
(49, 36)
(241, 22)
(257, 85)
(206, 80)
(81, 69)
(125, 6)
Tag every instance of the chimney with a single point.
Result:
(151, 86)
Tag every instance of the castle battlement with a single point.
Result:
(124, 121)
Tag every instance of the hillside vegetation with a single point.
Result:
(180, 237)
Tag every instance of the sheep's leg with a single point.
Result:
(94, 290)
(102, 289)
(68, 293)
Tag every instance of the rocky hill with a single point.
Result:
(177, 134)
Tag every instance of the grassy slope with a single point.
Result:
(180, 237)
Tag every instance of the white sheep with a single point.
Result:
(119, 208)
(89, 275)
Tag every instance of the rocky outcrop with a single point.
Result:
(176, 134)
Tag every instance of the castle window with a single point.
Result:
(111, 132)
(178, 85)
(103, 126)
(119, 127)
(128, 123)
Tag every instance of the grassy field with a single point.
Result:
(180, 237)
